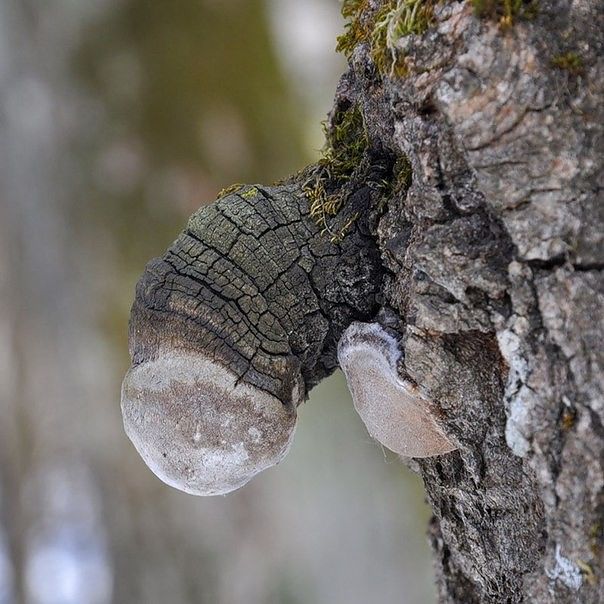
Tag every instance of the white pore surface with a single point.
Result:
(393, 411)
(198, 429)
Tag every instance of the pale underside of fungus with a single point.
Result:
(393, 410)
(238, 320)
(200, 429)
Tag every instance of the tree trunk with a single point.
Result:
(495, 262)
(486, 122)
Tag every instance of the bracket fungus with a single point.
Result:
(392, 409)
(198, 427)
(240, 318)
(234, 324)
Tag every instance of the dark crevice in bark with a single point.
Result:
(561, 261)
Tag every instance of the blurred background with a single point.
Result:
(118, 118)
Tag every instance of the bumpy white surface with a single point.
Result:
(392, 409)
(198, 429)
(565, 571)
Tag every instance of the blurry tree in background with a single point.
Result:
(117, 119)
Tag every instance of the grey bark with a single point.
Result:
(496, 261)
(491, 273)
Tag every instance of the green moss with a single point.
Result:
(250, 193)
(570, 61)
(395, 20)
(338, 236)
(356, 29)
(596, 537)
(230, 189)
(346, 143)
(343, 168)
(401, 180)
(506, 11)
(588, 572)
(382, 29)
(568, 419)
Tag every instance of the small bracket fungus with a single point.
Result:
(393, 410)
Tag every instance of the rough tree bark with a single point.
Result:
(495, 257)
(491, 273)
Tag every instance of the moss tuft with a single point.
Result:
(338, 236)
(250, 193)
(383, 29)
(357, 29)
(570, 61)
(568, 419)
(588, 572)
(596, 537)
(346, 143)
(506, 12)
(402, 175)
(229, 190)
(345, 166)
(395, 20)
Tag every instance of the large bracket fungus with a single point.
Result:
(238, 320)
(233, 325)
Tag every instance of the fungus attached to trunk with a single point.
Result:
(198, 427)
(234, 324)
(393, 410)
